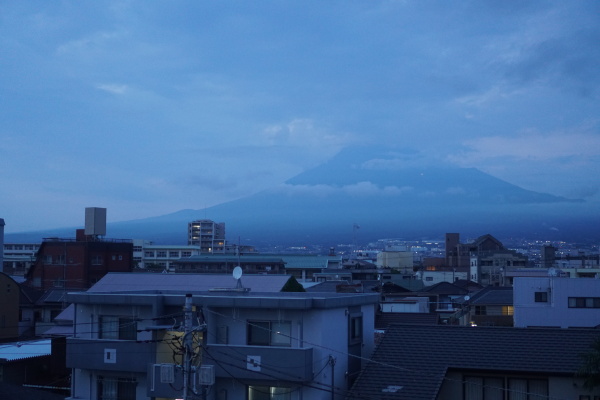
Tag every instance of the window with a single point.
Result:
(96, 259)
(173, 254)
(137, 248)
(186, 254)
(270, 333)
(480, 310)
(149, 254)
(355, 329)
(429, 278)
(161, 254)
(500, 388)
(541, 297)
(269, 393)
(113, 327)
(113, 388)
(584, 302)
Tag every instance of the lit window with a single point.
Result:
(269, 393)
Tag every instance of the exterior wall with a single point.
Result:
(558, 387)
(432, 277)
(555, 312)
(72, 264)
(10, 293)
(401, 260)
(148, 255)
(316, 333)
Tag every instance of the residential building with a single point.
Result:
(207, 234)
(459, 254)
(224, 264)
(491, 306)
(19, 257)
(128, 333)
(491, 267)
(444, 362)
(78, 263)
(553, 301)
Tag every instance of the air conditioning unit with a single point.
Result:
(167, 373)
(206, 375)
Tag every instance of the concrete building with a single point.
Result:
(19, 257)
(459, 254)
(556, 302)
(246, 342)
(396, 260)
(78, 263)
(224, 264)
(491, 267)
(147, 255)
(207, 234)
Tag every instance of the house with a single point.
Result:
(491, 306)
(248, 338)
(554, 301)
(445, 362)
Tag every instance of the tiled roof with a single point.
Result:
(445, 288)
(416, 357)
(384, 320)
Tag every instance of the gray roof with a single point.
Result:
(417, 357)
(127, 282)
(492, 295)
(300, 261)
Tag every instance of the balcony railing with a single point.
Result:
(260, 362)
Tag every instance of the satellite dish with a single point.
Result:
(467, 298)
(237, 272)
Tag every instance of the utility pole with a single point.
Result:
(332, 362)
(187, 345)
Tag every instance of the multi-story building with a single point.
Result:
(207, 234)
(490, 268)
(459, 254)
(244, 343)
(19, 257)
(224, 264)
(147, 255)
(78, 263)
(555, 301)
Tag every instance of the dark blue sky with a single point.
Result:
(150, 107)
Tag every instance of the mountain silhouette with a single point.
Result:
(388, 195)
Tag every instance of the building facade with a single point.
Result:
(78, 263)
(246, 345)
(554, 301)
(207, 234)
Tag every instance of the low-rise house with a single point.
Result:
(443, 362)
(553, 301)
(491, 306)
(129, 332)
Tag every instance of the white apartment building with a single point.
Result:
(207, 234)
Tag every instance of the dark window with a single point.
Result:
(584, 302)
(355, 330)
(113, 388)
(480, 310)
(121, 328)
(270, 333)
(500, 387)
(541, 297)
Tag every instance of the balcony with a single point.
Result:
(109, 355)
(260, 362)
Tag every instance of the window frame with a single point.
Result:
(540, 297)
(124, 388)
(265, 333)
(114, 327)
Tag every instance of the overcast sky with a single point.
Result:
(147, 108)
